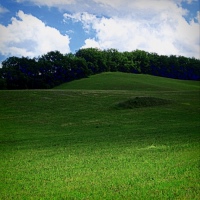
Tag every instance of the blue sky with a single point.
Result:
(34, 27)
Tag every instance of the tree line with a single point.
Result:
(54, 68)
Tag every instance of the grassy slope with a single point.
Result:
(74, 144)
(124, 81)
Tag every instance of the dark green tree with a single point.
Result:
(141, 59)
(95, 59)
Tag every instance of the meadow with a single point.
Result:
(76, 141)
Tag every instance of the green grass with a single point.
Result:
(72, 143)
(141, 102)
(127, 81)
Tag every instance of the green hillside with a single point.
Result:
(127, 81)
(109, 136)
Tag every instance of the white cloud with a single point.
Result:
(3, 10)
(111, 7)
(198, 17)
(91, 43)
(49, 3)
(28, 36)
(164, 33)
(86, 19)
(70, 5)
(156, 25)
(190, 1)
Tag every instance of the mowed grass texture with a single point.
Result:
(76, 142)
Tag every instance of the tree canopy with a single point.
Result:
(54, 68)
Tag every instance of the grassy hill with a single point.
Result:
(77, 142)
(127, 81)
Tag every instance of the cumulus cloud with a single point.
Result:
(29, 36)
(91, 43)
(164, 30)
(156, 26)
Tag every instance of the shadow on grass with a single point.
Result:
(140, 102)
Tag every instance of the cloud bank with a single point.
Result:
(164, 33)
(111, 7)
(29, 36)
(155, 26)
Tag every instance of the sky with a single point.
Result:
(31, 28)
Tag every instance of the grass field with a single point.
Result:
(76, 142)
